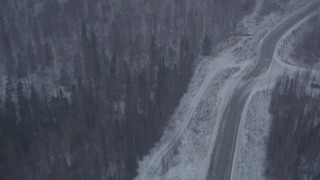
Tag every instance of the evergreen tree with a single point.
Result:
(94, 57)
(2, 133)
(153, 58)
(84, 43)
(64, 76)
(10, 114)
(113, 66)
(48, 61)
(128, 84)
(22, 68)
(153, 52)
(30, 57)
(9, 59)
(206, 46)
(113, 79)
(26, 124)
(115, 38)
(161, 89)
(35, 105)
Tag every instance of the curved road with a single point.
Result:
(222, 155)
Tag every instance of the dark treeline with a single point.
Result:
(90, 85)
(293, 147)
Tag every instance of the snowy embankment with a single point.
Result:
(185, 148)
(252, 138)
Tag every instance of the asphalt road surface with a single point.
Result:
(222, 154)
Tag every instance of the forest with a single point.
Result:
(306, 50)
(293, 150)
(88, 86)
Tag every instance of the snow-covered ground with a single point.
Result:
(185, 148)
